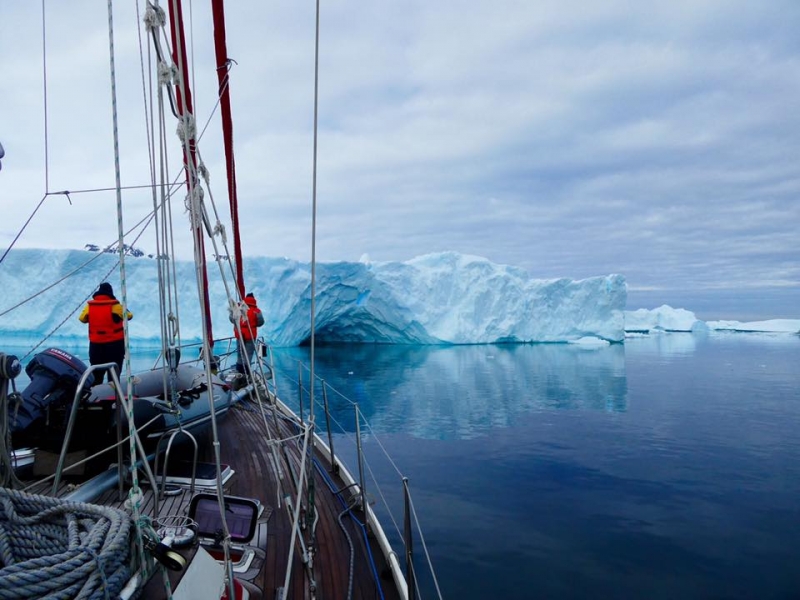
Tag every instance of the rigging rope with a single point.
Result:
(296, 516)
(374, 437)
(187, 127)
(44, 89)
(65, 277)
(135, 493)
(167, 287)
(194, 196)
(19, 233)
(310, 485)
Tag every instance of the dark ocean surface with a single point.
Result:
(667, 467)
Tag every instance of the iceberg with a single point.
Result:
(668, 319)
(664, 318)
(443, 298)
(769, 326)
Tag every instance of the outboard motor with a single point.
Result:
(55, 375)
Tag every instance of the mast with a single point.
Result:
(223, 71)
(183, 95)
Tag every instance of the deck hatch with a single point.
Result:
(241, 516)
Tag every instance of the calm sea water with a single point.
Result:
(667, 467)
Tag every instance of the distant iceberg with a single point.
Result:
(663, 318)
(668, 319)
(770, 326)
(444, 298)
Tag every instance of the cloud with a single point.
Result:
(657, 140)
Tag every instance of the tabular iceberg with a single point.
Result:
(668, 319)
(444, 298)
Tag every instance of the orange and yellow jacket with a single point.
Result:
(104, 316)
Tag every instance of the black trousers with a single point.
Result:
(109, 352)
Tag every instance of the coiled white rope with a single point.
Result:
(59, 549)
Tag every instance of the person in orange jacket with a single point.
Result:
(104, 315)
(246, 331)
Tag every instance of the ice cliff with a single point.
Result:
(445, 298)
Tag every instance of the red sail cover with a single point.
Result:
(223, 70)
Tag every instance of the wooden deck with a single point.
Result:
(242, 440)
(339, 534)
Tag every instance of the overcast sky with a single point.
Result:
(659, 140)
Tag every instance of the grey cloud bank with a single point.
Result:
(655, 140)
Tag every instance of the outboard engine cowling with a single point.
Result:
(55, 375)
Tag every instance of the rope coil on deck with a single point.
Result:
(59, 549)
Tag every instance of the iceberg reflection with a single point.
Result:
(459, 391)
(667, 343)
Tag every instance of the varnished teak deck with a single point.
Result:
(244, 446)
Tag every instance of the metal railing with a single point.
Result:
(407, 579)
(122, 404)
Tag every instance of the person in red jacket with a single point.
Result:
(246, 331)
(104, 315)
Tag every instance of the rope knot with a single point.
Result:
(219, 230)
(187, 128)
(134, 497)
(193, 203)
(236, 310)
(154, 17)
(167, 73)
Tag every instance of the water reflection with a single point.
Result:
(460, 391)
(668, 343)
(450, 392)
